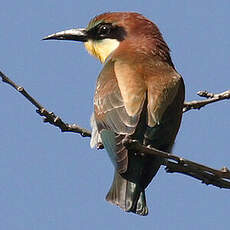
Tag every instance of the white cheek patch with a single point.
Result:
(101, 49)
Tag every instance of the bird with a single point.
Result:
(139, 95)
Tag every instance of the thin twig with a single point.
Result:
(50, 117)
(211, 98)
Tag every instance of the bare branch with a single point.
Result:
(211, 97)
(50, 117)
(173, 163)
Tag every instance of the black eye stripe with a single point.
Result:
(106, 30)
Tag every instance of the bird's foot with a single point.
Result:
(129, 143)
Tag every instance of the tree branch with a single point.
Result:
(211, 98)
(50, 117)
(173, 163)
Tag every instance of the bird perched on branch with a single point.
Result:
(139, 95)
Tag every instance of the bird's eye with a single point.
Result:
(104, 30)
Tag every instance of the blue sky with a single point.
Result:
(53, 180)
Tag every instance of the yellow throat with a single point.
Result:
(101, 49)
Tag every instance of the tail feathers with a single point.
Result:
(127, 195)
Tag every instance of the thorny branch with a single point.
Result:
(219, 178)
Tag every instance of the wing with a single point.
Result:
(118, 103)
(131, 100)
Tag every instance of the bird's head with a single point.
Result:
(123, 32)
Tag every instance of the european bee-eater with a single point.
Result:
(139, 94)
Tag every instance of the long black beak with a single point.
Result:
(72, 34)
